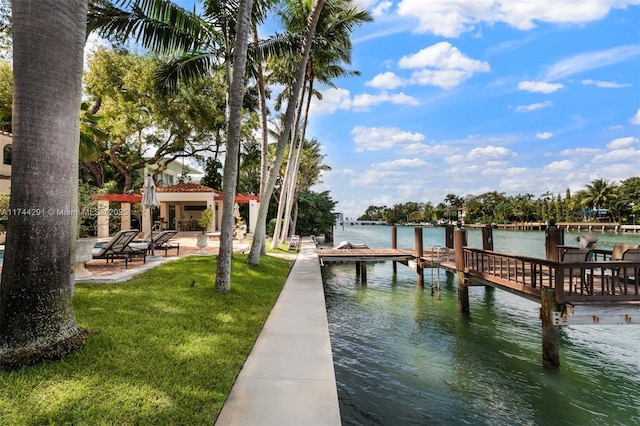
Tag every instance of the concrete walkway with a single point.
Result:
(288, 378)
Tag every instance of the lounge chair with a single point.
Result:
(161, 241)
(118, 247)
(294, 243)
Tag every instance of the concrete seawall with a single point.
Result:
(289, 378)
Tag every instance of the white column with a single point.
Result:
(254, 206)
(178, 217)
(125, 216)
(164, 213)
(103, 219)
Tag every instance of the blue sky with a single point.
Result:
(469, 96)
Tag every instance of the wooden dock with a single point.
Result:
(595, 291)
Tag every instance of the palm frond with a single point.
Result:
(188, 68)
(158, 25)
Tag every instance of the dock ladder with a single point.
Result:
(437, 253)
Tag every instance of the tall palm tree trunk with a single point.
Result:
(284, 209)
(314, 16)
(36, 314)
(236, 95)
(290, 220)
(264, 153)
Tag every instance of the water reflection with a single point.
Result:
(403, 356)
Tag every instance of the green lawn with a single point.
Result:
(165, 348)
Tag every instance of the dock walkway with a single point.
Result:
(289, 378)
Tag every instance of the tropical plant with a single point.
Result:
(315, 213)
(6, 95)
(144, 127)
(198, 45)
(599, 193)
(37, 321)
(205, 219)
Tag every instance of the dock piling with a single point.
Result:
(550, 332)
(419, 254)
(394, 245)
(460, 240)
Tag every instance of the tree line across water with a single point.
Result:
(601, 200)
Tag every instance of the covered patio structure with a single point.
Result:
(181, 207)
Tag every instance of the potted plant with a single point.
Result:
(204, 222)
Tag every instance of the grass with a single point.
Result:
(166, 348)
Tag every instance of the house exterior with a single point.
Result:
(181, 204)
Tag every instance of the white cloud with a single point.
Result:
(581, 152)
(442, 65)
(379, 138)
(443, 55)
(539, 86)
(604, 84)
(636, 118)
(450, 18)
(558, 166)
(623, 143)
(364, 101)
(628, 155)
(387, 80)
(490, 152)
(445, 79)
(424, 149)
(544, 135)
(402, 164)
(534, 107)
(382, 8)
(591, 60)
(332, 100)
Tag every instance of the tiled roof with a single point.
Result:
(118, 198)
(185, 187)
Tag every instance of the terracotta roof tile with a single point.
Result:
(185, 187)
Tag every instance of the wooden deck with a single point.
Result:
(600, 290)
(600, 282)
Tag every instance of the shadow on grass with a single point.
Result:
(166, 348)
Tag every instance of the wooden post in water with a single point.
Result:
(554, 237)
(460, 240)
(487, 237)
(394, 245)
(419, 253)
(448, 236)
(361, 271)
(550, 332)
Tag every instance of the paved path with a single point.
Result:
(288, 378)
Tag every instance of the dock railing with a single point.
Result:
(597, 281)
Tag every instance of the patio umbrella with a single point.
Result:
(150, 200)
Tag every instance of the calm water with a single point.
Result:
(405, 357)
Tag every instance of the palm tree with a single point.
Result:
(289, 116)
(599, 194)
(198, 45)
(36, 315)
(230, 177)
(332, 47)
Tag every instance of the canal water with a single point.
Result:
(405, 357)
